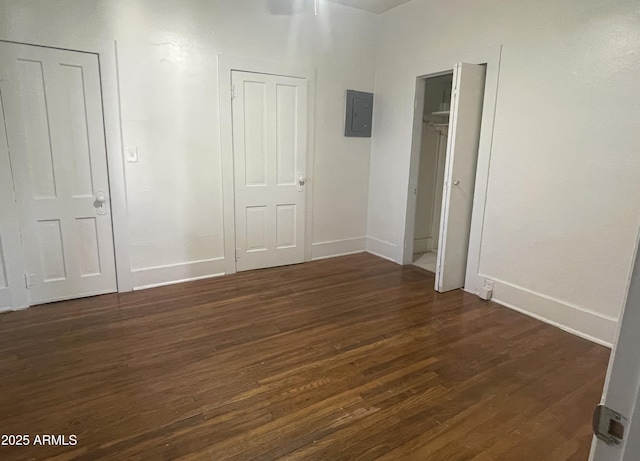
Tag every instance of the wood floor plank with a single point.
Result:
(352, 358)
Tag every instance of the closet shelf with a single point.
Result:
(441, 113)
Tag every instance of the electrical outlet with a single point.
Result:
(486, 292)
(131, 154)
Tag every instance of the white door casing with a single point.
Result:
(269, 117)
(54, 123)
(460, 172)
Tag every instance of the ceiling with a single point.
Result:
(375, 6)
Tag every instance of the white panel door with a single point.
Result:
(53, 118)
(11, 268)
(269, 147)
(460, 173)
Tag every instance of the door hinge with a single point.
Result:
(234, 92)
(608, 425)
(238, 253)
(27, 281)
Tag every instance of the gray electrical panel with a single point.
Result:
(359, 114)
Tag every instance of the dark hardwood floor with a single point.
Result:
(352, 358)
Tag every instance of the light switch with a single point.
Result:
(131, 154)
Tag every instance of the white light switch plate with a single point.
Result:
(131, 154)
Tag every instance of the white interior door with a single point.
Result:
(269, 146)
(622, 387)
(53, 119)
(460, 172)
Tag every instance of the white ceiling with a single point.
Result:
(375, 6)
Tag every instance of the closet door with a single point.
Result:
(460, 172)
(269, 148)
(52, 108)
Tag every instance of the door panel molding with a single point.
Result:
(227, 64)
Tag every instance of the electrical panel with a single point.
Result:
(359, 114)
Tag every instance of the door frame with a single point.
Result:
(416, 154)
(227, 64)
(490, 57)
(107, 53)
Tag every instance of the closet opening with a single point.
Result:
(433, 150)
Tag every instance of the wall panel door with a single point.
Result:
(52, 107)
(269, 144)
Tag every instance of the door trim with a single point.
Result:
(227, 64)
(107, 53)
(474, 280)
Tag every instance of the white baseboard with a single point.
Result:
(333, 248)
(5, 299)
(381, 248)
(177, 273)
(595, 327)
(12, 309)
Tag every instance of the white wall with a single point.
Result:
(167, 67)
(563, 198)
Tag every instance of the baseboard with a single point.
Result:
(13, 309)
(5, 299)
(177, 273)
(382, 249)
(333, 248)
(595, 327)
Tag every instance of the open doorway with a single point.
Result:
(447, 125)
(433, 149)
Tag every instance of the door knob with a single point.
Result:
(301, 181)
(455, 183)
(101, 199)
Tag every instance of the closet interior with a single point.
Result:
(433, 149)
